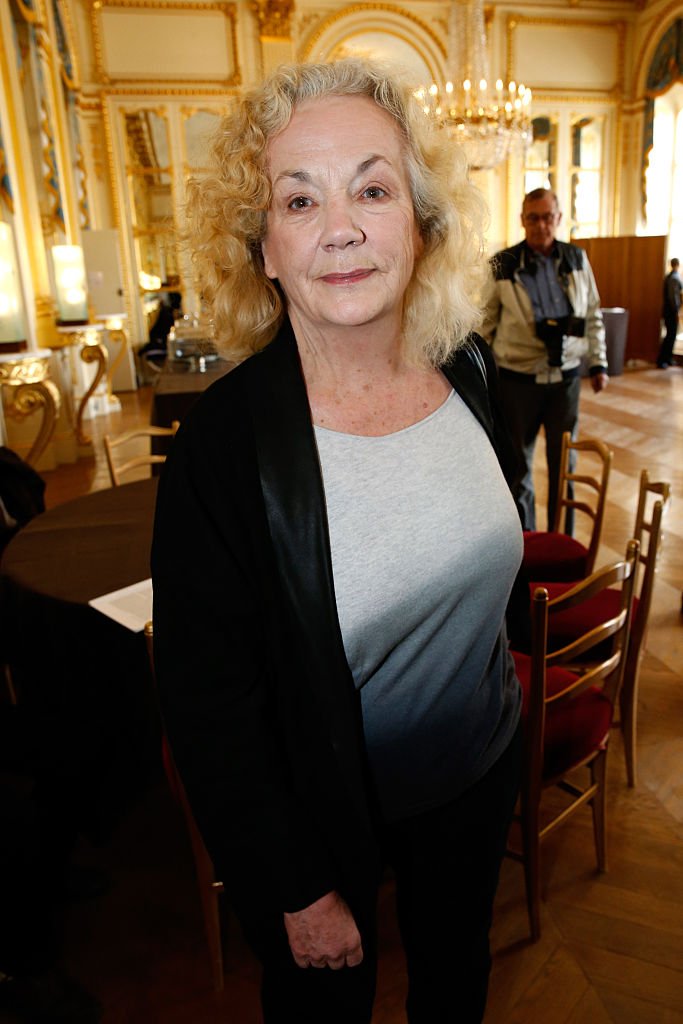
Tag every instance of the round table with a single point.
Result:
(86, 547)
(77, 670)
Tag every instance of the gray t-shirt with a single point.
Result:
(425, 544)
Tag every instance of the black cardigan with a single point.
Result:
(257, 696)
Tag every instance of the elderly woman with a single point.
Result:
(335, 546)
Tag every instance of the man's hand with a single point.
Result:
(324, 934)
(599, 382)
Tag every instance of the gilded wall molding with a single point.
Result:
(227, 9)
(142, 91)
(89, 104)
(274, 18)
(96, 151)
(72, 82)
(33, 17)
(43, 44)
(307, 47)
(655, 33)
(515, 20)
(45, 306)
(549, 95)
(633, 107)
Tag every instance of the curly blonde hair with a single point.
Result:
(226, 214)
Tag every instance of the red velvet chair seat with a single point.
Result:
(565, 626)
(553, 556)
(573, 730)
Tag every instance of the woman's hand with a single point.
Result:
(324, 934)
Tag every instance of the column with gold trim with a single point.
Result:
(274, 23)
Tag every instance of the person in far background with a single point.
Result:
(671, 304)
(542, 318)
(170, 309)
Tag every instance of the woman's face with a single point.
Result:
(341, 236)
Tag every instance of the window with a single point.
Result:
(585, 177)
(569, 155)
(540, 166)
(664, 175)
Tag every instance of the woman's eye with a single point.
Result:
(299, 203)
(373, 192)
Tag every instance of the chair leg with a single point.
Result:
(209, 891)
(598, 771)
(532, 874)
(11, 692)
(628, 711)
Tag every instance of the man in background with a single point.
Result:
(671, 304)
(542, 317)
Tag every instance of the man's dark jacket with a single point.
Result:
(258, 699)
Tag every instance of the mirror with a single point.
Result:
(150, 194)
(198, 127)
(40, 130)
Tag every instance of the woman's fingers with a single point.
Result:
(324, 935)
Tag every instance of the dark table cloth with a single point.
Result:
(83, 677)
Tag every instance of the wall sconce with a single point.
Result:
(12, 322)
(72, 297)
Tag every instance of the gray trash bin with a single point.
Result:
(616, 329)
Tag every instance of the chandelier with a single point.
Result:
(488, 121)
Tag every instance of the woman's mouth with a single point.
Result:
(351, 277)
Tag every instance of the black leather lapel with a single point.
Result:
(295, 507)
(464, 374)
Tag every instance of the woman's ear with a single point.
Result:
(268, 267)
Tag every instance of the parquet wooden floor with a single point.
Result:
(612, 944)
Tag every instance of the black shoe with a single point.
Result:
(51, 997)
(663, 365)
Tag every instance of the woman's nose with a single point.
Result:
(340, 227)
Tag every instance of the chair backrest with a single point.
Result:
(653, 499)
(581, 490)
(605, 665)
(146, 459)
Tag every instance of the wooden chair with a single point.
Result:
(568, 708)
(553, 554)
(148, 459)
(653, 498)
(210, 888)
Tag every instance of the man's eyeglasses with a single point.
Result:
(538, 218)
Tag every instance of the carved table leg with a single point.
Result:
(90, 354)
(117, 336)
(26, 398)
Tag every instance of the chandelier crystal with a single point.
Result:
(488, 121)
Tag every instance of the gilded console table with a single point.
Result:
(114, 324)
(85, 339)
(25, 383)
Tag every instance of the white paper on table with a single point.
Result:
(130, 607)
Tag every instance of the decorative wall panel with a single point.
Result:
(146, 40)
(569, 55)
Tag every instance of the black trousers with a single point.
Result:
(527, 407)
(666, 349)
(446, 864)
